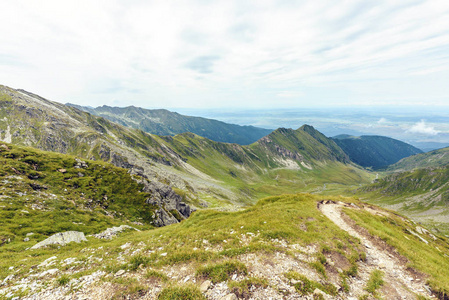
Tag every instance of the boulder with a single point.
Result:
(205, 286)
(62, 238)
(112, 232)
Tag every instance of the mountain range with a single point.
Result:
(374, 151)
(197, 165)
(164, 122)
(252, 221)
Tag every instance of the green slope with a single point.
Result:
(286, 160)
(435, 158)
(288, 229)
(422, 194)
(46, 192)
(164, 122)
(374, 151)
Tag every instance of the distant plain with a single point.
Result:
(426, 128)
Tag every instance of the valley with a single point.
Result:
(290, 214)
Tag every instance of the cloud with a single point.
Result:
(357, 51)
(382, 121)
(291, 94)
(422, 128)
(202, 64)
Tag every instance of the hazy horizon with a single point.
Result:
(426, 129)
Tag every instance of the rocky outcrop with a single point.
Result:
(171, 209)
(279, 150)
(163, 218)
(112, 232)
(62, 238)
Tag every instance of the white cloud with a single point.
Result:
(382, 121)
(422, 128)
(291, 94)
(227, 53)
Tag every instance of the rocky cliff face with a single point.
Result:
(171, 209)
(30, 120)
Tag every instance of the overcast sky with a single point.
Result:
(236, 54)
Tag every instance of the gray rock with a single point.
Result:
(167, 200)
(119, 273)
(27, 239)
(205, 286)
(112, 232)
(80, 164)
(163, 218)
(230, 297)
(62, 238)
(48, 272)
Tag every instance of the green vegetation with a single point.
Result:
(138, 261)
(212, 242)
(306, 286)
(187, 292)
(286, 161)
(432, 159)
(375, 282)
(222, 271)
(422, 194)
(204, 239)
(242, 288)
(153, 274)
(63, 280)
(374, 151)
(44, 193)
(394, 230)
(127, 288)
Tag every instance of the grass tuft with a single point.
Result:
(153, 274)
(186, 292)
(221, 271)
(375, 281)
(63, 280)
(138, 261)
(242, 288)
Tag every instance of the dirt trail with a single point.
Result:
(400, 283)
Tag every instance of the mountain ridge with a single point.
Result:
(434, 158)
(372, 151)
(165, 122)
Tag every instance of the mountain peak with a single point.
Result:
(307, 128)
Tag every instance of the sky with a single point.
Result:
(221, 54)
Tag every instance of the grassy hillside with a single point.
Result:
(286, 161)
(272, 248)
(164, 122)
(46, 192)
(416, 186)
(422, 194)
(374, 151)
(435, 158)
